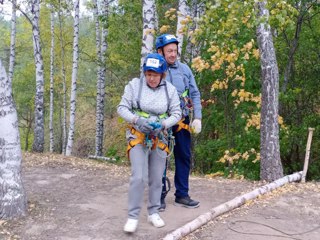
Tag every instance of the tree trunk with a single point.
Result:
(99, 140)
(148, 11)
(101, 45)
(12, 41)
(270, 166)
(12, 194)
(64, 83)
(197, 9)
(51, 145)
(74, 79)
(38, 142)
(183, 13)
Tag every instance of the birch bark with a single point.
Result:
(64, 83)
(12, 193)
(73, 79)
(148, 11)
(38, 142)
(12, 40)
(101, 45)
(182, 14)
(270, 165)
(51, 81)
(98, 149)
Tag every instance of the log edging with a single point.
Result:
(230, 205)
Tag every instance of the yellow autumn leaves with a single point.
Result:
(230, 156)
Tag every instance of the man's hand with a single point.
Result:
(196, 126)
(144, 125)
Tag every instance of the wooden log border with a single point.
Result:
(101, 158)
(230, 205)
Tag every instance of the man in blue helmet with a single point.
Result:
(150, 105)
(180, 75)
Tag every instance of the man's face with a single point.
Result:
(170, 52)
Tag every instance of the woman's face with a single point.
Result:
(153, 78)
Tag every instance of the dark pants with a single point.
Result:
(182, 157)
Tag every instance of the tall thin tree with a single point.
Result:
(73, 95)
(12, 193)
(101, 46)
(12, 40)
(148, 11)
(64, 82)
(182, 14)
(99, 134)
(51, 145)
(270, 166)
(38, 143)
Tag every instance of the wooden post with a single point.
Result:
(306, 160)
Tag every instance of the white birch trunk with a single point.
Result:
(101, 45)
(98, 99)
(64, 83)
(148, 12)
(182, 14)
(230, 205)
(196, 10)
(12, 193)
(38, 142)
(51, 82)
(73, 79)
(12, 40)
(270, 164)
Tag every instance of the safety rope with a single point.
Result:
(285, 234)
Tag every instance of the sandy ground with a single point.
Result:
(72, 198)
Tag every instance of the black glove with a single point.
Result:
(143, 125)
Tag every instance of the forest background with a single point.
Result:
(220, 46)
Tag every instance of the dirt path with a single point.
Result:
(291, 212)
(70, 198)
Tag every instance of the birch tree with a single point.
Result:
(148, 13)
(12, 40)
(182, 14)
(64, 82)
(270, 166)
(195, 10)
(73, 79)
(12, 193)
(38, 143)
(51, 80)
(101, 48)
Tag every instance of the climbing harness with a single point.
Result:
(149, 140)
(152, 142)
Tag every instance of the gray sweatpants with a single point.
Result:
(147, 168)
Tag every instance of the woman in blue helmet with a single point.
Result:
(150, 105)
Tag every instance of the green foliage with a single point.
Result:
(225, 27)
(229, 74)
(227, 70)
(124, 41)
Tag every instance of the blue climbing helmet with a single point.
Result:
(165, 39)
(154, 62)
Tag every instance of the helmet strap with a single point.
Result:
(162, 52)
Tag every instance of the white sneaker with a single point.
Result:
(131, 225)
(156, 220)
